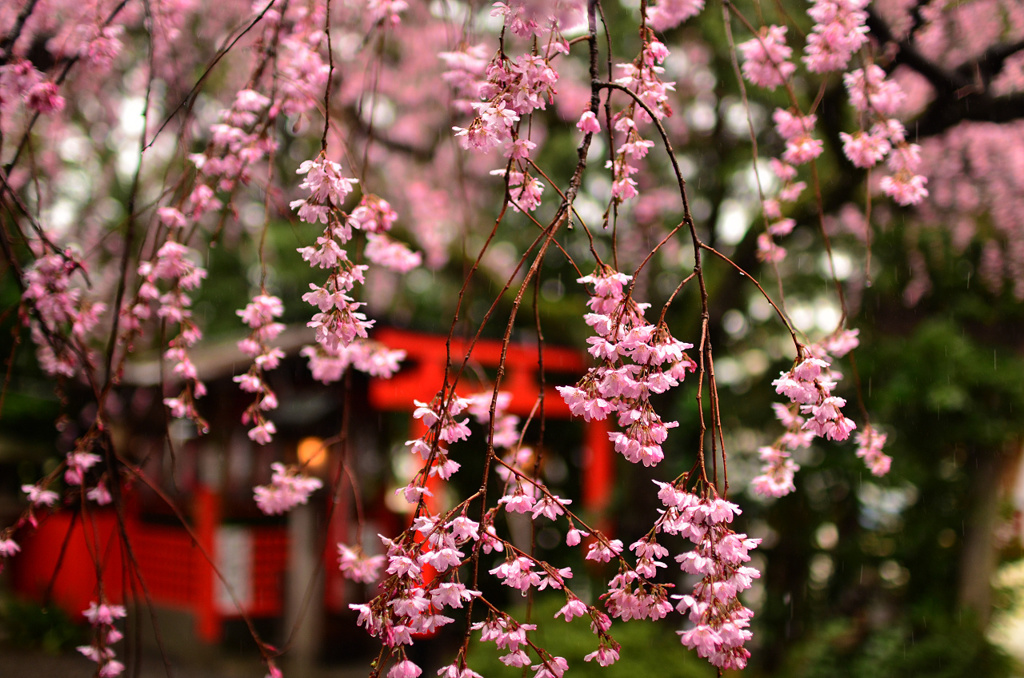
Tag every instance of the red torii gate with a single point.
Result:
(421, 377)
(423, 374)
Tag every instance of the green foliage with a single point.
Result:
(49, 629)
(938, 647)
(648, 648)
(951, 387)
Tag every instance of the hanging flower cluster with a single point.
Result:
(778, 466)
(809, 384)
(410, 603)
(869, 448)
(341, 327)
(175, 264)
(259, 315)
(638, 359)
(721, 622)
(839, 32)
(58, 315)
(506, 91)
(766, 58)
(643, 78)
(288, 488)
(103, 618)
(813, 412)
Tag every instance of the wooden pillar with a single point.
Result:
(303, 621)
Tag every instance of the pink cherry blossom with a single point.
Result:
(288, 488)
(766, 58)
(588, 123)
(605, 656)
(404, 669)
(43, 98)
(839, 31)
(666, 14)
(869, 448)
(39, 496)
(104, 613)
(864, 150)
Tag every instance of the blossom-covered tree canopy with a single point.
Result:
(628, 172)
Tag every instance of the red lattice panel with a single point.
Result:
(169, 562)
(269, 563)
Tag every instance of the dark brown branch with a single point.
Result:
(961, 94)
(939, 78)
(8, 42)
(942, 115)
(990, 64)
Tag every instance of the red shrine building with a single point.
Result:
(198, 544)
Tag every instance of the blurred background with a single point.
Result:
(917, 573)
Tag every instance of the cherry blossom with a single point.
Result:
(259, 315)
(288, 488)
(103, 617)
(766, 58)
(839, 31)
(869, 448)
(589, 123)
(8, 548)
(39, 496)
(666, 14)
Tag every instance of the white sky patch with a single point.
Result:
(61, 216)
(130, 121)
(589, 210)
(759, 309)
(599, 188)
(73, 149)
(843, 264)
(598, 151)
(736, 118)
(488, 22)
(802, 316)
(733, 222)
(127, 160)
(818, 316)
(377, 111)
(769, 182)
(687, 166)
(701, 116)
(346, 45)
(456, 12)
(124, 138)
(827, 316)
(729, 371)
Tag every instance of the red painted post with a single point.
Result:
(598, 468)
(206, 518)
